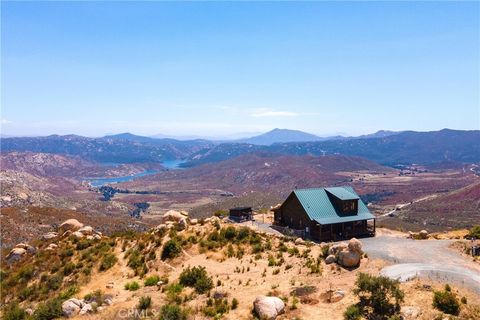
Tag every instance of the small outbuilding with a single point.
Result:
(326, 214)
(240, 214)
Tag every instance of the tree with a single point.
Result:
(171, 249)
(379, 297)
(446, 301)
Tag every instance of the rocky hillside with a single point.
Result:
(116, 149)
(190, 269)
(57, 165)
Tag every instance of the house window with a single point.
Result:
(349, 206)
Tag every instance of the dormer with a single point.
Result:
(344, 201)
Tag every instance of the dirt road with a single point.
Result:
(432, 259)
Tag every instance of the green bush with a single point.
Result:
(353, 312)
(25, 273)
(197, 278)
(219, 213)
(173, 293)
(14, 312)
(446, 301)
(27, 292)
(243, 233)
(475, 232)
(325, 250)
(229, 233)
(135, 259)
(171, 249)
(54, 282)
(144, 303)
(173, 312)
(216, 307)
(234, 303)
(68, 268)
(151, 281)
(48, 310)
(132, 286)
(379, 296)
(108, 261)
(95, 296)
(68, 293)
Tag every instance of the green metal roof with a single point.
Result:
(342, 193)
(319, 207)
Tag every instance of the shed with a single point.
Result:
(241, 214)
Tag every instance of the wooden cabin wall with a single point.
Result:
(293, 215)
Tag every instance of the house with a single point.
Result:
(241, 214)
(325, 214)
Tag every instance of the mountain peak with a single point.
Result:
(278, 135)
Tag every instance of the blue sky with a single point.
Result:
(222, 68)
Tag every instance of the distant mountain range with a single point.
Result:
(384, 147)
(389, 149)
(286, 136)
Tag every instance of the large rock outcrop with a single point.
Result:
(19, 251)
(71, 225)
(268, 307)
(172, 215)
(347, 255)
(72, 307)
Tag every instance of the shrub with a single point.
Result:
(132, 286)
(379, 296)
(230, 251)
(353, 312)
(229, 233)
(68, 268)
(68, 293)
(173, 312)
(14, 312)
(135, 259)
(151, 281)
(197, 278)
(257, 248)
(446, 301)
(108, 261)
(464, 300)
(234, 303)
(171, 249)
(215, 307)
(54, 282)
(294, 303)
(219, 213)
(325, 251)
(173, 293)
(474, 232)
(243, 233)
(48, 310)
(95, 296)
(144, 303)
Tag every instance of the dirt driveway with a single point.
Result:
(432, 259)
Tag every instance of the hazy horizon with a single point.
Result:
(223, 68)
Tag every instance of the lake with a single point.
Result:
(98, 182)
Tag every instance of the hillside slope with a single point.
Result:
(457, 209)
